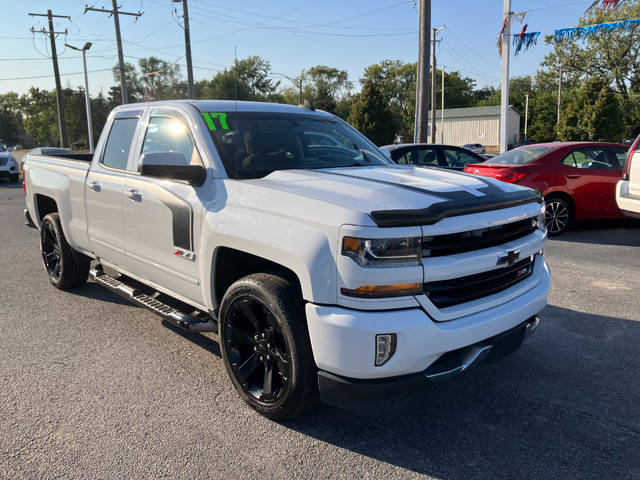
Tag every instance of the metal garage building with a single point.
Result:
(476, 125)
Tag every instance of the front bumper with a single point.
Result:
(351, 392)
(627, 201)
(343, 339)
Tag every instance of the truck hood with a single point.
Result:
(400, 196)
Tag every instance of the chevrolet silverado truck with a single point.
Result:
(323, 270)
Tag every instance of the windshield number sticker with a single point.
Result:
(210, 117)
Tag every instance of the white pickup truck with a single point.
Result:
(320, 267)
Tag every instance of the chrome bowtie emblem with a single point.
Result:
(510, 258)
(476, 171)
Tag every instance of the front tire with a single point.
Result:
(57, 256)
(558, 215)
(265, 345)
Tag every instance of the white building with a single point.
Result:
(476, 125)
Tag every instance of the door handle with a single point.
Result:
(95, 186)
(573, 175)
(135, 195)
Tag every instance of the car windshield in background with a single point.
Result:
(254, 144)
(521, 155)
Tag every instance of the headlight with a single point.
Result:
(541, 220)
(383, 252)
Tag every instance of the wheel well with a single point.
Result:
(231, 265)
(564, 196)
(44, 206)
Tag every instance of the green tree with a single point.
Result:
(10, 118)
(40, 116)
(158, 79)
(248, 79)
(592, 113)
(325, 86)
(371, 115)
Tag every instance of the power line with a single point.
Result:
(49, 76)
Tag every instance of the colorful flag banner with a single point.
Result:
(581, 32)
(606, 4)
(524, 41)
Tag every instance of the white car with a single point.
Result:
(475, 148)
(8, 165)
(628, 189)
(321, 269)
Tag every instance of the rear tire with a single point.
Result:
(58, 256)
(265, 345)
(559, 215)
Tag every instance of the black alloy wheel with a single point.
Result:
(557, 216)
(257, 351)
(51, 252)
(65, 267)
(265, 344)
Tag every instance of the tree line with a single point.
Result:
(601, 92)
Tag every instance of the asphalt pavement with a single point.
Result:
(93, 387)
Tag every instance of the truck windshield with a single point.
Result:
(254, 144)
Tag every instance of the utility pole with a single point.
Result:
(526, 116)
(434, 74)
(87, 99)
(187, 43)
(559, 93)
(504, 92)
(442, 110)
(116, 20)
(54, 56)
(422, 90)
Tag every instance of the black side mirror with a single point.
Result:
(171, 166)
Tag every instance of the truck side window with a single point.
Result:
(116, 152)
(167, 134)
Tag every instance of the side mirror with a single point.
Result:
(171, 166)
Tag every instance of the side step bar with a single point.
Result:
(172, 315)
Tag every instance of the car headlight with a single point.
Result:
(541, 220)
(383, 252)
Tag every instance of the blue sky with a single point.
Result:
(292, 35)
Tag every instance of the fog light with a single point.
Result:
(385, 347)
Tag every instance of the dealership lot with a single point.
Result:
(92, 387)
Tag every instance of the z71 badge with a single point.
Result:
(178, 252)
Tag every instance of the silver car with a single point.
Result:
(475, 148)
(8, 165)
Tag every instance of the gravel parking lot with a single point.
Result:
(93, 387)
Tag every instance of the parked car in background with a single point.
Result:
(475, 148)
(429, 155)
(577, 179)
(628, 188)
(488, 156)
(8, 164)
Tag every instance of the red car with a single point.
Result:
(578, 179)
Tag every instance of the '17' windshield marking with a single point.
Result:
(222, 119)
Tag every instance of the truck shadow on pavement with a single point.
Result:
(566, 405)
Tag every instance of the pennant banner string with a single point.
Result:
(524, 41)
(581, 32)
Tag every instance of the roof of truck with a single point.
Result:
(227, 106)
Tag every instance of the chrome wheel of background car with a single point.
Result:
(557, 216)
(51, 252)
(257, 351)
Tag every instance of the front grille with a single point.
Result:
(446, 293)
(440, 245)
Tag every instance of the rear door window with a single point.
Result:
(592, 158)
(458, 158)
(116, 151)
(422, 156)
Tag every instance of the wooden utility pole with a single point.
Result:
(56, 72)
(504, 91)
(422, 80)
(116, 20)
(187, 43)
(559, 93)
